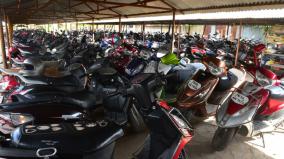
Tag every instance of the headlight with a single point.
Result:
(216, 71)
(16, 119)
(4, 86)
(262, 79)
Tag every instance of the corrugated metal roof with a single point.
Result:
(44, 11)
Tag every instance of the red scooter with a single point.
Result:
(254, 108)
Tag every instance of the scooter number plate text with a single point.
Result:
(192, 84)
(239, 98)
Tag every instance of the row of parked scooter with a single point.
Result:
(66, 96)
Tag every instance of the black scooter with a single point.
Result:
(76, 135)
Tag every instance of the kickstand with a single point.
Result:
(262, 137)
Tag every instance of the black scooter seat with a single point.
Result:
(83, 99)
(72, 140)
(68, 80)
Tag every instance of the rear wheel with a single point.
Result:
(135, 118)
(222, 137)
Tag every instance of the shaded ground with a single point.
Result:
(199, 147)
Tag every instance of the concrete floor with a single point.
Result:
(199, 147)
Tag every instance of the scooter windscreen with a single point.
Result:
(242, 106)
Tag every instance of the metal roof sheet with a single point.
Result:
(32, 11)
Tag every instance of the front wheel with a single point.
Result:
(135, 118)
(183, 155)
(222, 137)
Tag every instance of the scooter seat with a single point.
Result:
(276, 92)
(71, 140)
(234, 78)
(85, 99)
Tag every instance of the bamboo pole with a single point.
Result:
(238, 46)
(2, 45)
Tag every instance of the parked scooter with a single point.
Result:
(255, 108)
(201, 95)
(93, 138)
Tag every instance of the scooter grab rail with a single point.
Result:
(48, 154)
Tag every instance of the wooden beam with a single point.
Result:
(42, 7)
(2, 45)
(136, 4)
(18, 5)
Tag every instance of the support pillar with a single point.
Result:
(10, 31)
(66, 26)
(93, 32)
(119, 24)
(2, 45)
(143, 31)
(76, 25)
(238, 46)
(173, 30)
(7, 32)
(204, 29)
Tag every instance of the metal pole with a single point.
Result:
(228, 27)
(76, 25)
(143, 31)
(2, 45)
(161, 28)
(173, 30)
(65, 26)
(179, 38)
(238, 46)
(104, 30)
(204, 29)
(119, 24)
(93, 30)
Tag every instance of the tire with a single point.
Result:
(192, 118)
(222, 137)
(135, 119)
(183, 155)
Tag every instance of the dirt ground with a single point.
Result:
(199, 146)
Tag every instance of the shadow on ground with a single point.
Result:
(199, 147)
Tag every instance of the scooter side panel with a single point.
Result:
(189, 97)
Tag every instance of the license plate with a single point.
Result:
(192, 84)
(239, 98)
(1, 99)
